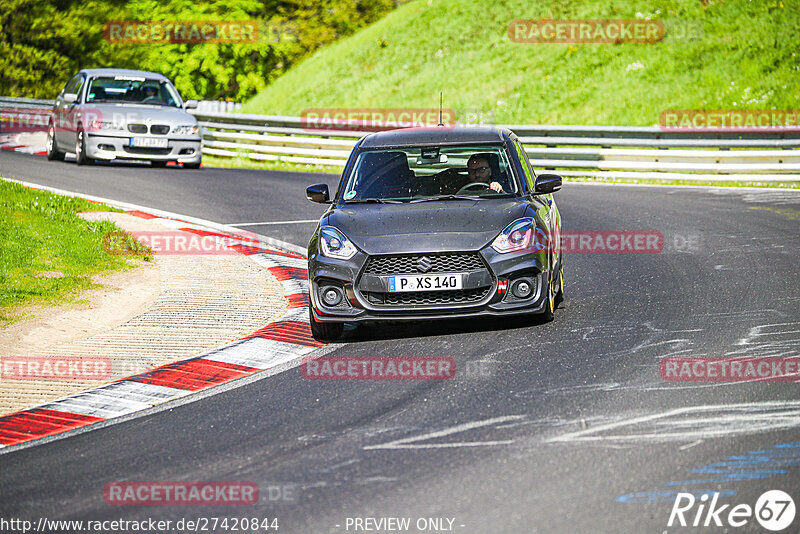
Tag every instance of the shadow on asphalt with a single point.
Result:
(355, 333)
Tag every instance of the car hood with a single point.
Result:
(137, 113)
(443, 226)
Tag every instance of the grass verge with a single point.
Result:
(737, 54)
(47, 253)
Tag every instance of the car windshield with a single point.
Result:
(132, 89)
(430, 173)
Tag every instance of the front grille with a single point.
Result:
(137, 128)
(440, 263)
(431, 298)
(159, 129)
(147, 151)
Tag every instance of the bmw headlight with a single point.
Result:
(334, 244)
(519, 235)
(186, 129)
(105, 125)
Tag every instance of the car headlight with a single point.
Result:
(105, 125)
(334, 244)
(186, 129)
(519, 235)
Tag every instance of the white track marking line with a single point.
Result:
(584, 435)
(405, 443)
(303, 221)
(690, 445)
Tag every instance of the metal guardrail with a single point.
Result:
(621, 151)
(601, 151)
(13, 102)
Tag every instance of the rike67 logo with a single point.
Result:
(774, 510)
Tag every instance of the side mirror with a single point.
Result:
(548, 183)
(70, 98)
(190, 104)
(318, 193)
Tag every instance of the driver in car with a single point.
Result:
(480, 172)
(150, 94)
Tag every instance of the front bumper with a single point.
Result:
(110, 147)
(486, 291)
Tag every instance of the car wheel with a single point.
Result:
(158, 163)
(53, 154)
(560, 294)
(549, 303)
(80, 150)
(325, 331)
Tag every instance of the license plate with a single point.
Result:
(149, 142)
(425, 282)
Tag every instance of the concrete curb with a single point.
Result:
(279, 345)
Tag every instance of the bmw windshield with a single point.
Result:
(132, 90)
(430, 173)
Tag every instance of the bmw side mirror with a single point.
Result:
(318, 193)
(190, 104)
(548, 183)
(70, 98)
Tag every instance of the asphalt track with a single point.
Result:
(558, 427)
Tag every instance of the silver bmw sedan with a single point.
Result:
(113, 114)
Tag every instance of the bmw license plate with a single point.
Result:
(425, 282)
(149, 142)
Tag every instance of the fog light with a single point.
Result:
(331, 296)
(522, 288)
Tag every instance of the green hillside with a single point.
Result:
(715, 55)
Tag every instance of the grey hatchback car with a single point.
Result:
(435, 223)
(115, 114)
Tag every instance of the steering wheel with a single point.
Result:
(474, 185)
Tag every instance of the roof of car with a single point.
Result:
(436, 136)
(123, 72)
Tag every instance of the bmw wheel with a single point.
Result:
(53, 154)
(80, 150)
